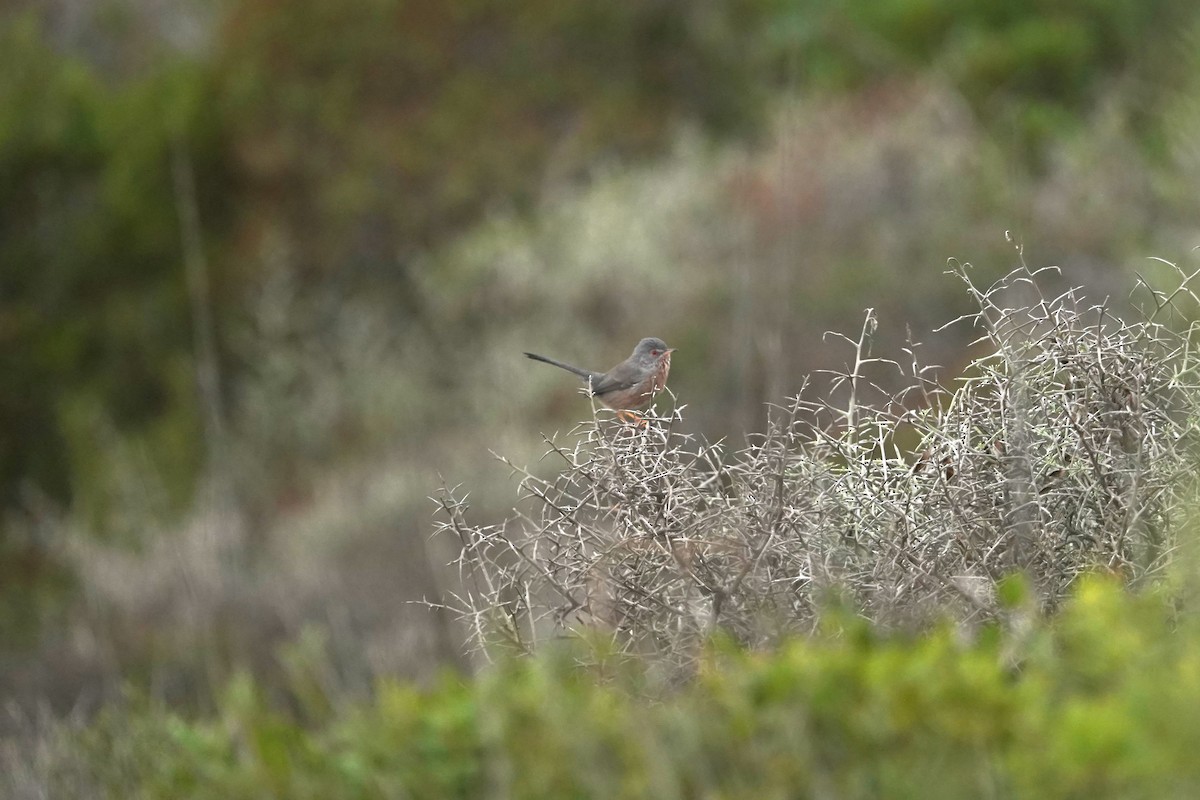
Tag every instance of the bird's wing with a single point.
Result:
(624, 376)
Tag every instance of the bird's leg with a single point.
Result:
(631, 417)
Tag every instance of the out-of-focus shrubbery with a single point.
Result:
(1032, 69)
(369, 132)
(1097, 702)
(336, 140)
(95, 364)
(346, 141)
(345, 418)
(91, 289)
(744, 259)
(396, 198)
(352, 137)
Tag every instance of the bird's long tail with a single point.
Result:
(583, 373)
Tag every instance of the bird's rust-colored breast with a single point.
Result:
(664, 367)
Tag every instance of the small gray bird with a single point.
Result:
(629, 385)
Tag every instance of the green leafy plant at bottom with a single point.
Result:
(1098, 701)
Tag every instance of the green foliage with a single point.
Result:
(1097, 702)
(92, 291)
(97, 396)
(394, 123)
(1034, 67)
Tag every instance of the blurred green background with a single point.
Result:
(267, 269)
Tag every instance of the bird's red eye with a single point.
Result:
(654, 352)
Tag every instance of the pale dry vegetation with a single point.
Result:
(1064, 448)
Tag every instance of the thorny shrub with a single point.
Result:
(1062, 449)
